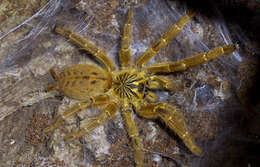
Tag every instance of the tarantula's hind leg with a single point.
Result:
(99, 54)
(133, 133)
(173, 119)
(188, 62)
(93, 101)
(54, 74)
(107, 113)
(56, 77)
(53, 87)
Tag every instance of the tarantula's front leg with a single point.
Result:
(125, 51)
(135, 139)
(107, 113)
(173, 118)
(165, 39)
(93, 101)
(99, 54)
(159, 82)
(191, 61)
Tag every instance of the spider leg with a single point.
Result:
(107, 113)
(54, 74)
(173, 119)
(198, 59)
(56, 77)
(160, 82)
(99, 54)
(53, 87)
(93, 101)
(165, 39)
(125, 51)
(151, 97)
(134, 136)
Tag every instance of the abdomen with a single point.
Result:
(84, 80)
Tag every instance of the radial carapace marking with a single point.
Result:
(126, 85)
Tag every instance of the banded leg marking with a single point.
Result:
(172, 118)
(159, 82)
(93, 101)
(164, 40)
(135, 139)
(107, 113)
(98, 53)
(125, 51)
(191, 61)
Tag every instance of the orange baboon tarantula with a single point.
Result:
(129, 87)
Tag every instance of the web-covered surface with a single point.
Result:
(205, 100)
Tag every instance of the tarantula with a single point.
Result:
(128, 88)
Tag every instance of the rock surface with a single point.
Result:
(210, 99)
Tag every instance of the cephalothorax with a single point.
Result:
(128, 88)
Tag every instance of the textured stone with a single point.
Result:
(208, 99)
